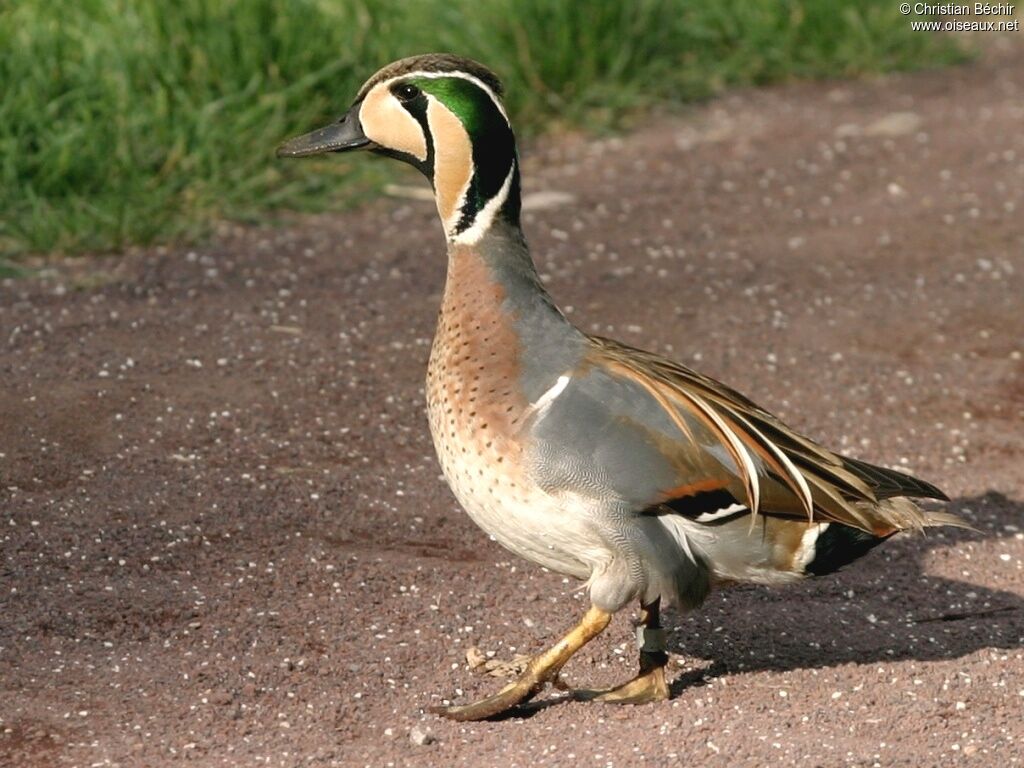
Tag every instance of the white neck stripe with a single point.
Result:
(485, 217)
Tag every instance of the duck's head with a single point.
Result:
(442, 114)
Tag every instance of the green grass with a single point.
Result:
(132, 121)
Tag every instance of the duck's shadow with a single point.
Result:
(886, 607)
(883, 608)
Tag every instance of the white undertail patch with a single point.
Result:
(808, 545)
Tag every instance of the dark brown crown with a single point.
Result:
(434, 62)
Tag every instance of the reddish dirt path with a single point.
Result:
(224, 534)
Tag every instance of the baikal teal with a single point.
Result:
(646, 480)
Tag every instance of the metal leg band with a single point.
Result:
(650, 640)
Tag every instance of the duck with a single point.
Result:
(649, 482)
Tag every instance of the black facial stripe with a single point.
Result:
(494, 157)
(492, 143)
(418, 109)
(466, 217)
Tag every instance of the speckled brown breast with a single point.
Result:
(476, 412)
(473, 399)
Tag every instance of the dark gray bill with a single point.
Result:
(340, 136)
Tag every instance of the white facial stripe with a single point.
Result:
(453, 163)
(387, 123)
(475, 80)
(439, 75)
(483, 219)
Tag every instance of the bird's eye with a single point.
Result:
(406, 91)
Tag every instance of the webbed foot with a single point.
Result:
(645, 688)
(649, 685)
(542, 669)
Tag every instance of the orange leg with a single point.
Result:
(542, 669)
(649, 685)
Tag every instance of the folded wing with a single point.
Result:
(777, 471)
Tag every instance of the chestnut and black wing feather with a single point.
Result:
(778, 472)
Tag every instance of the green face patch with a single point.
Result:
(494, 147)
(475, 109)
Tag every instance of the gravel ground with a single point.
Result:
(225, 537)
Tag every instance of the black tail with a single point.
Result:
(840, 545)
(888, 483)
